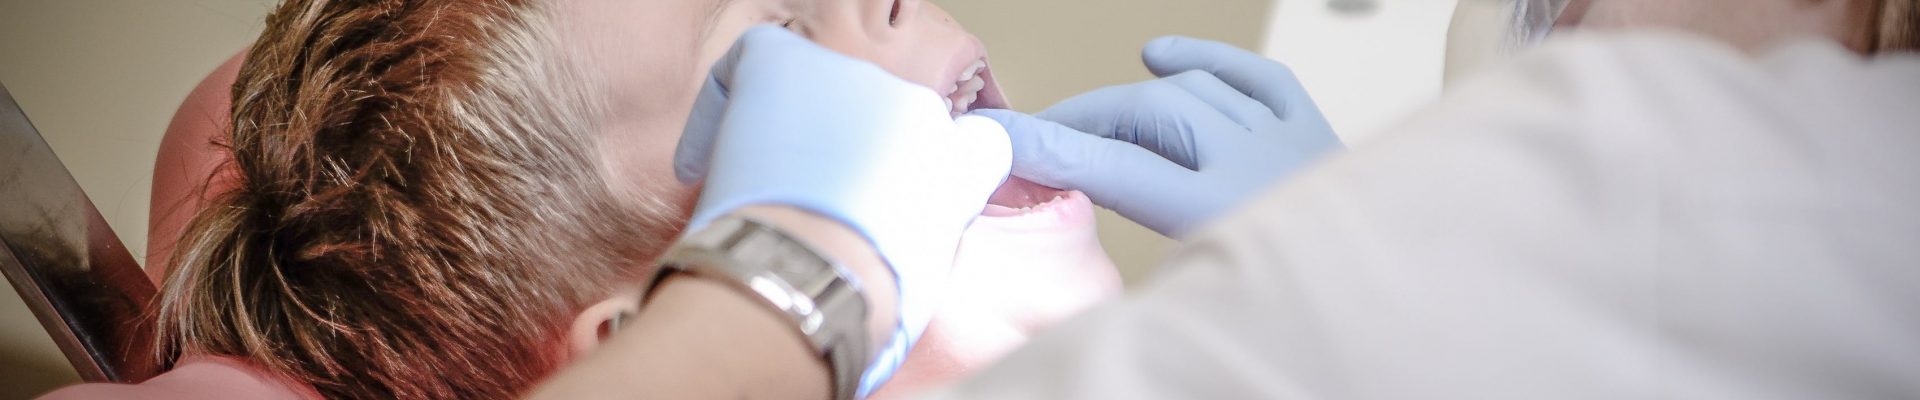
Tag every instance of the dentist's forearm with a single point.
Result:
(698, 338)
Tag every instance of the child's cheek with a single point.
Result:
(899, 57)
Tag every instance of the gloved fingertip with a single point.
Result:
(1160, 46)
(687, 175)
(690, 158)
(987, 139)
(1175, 54)
(1158, 54)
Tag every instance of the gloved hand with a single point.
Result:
(784, 121)
(1220, 125)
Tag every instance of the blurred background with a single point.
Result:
(102, 78)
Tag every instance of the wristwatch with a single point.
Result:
(820, 297)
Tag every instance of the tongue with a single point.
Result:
(1020, 193)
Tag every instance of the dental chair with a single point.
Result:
(67, 264)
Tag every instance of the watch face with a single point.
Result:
(792, 266)
(788, 259)
(823, 301)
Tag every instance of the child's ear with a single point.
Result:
(601, 319)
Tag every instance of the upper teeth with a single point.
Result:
(971, 71)
(967, 88)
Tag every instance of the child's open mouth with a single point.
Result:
(1019, 197)
(975, 89)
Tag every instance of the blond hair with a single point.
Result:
(1898, 27)
(420, 207)
(1884, 26)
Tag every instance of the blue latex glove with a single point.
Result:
(784, 121)
(1171, 153)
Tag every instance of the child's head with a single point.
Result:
(448, 199)
(420, 207)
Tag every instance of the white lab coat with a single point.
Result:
(1639, 216)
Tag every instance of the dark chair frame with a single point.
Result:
(67, 264)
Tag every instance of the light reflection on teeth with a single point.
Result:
(972, 71)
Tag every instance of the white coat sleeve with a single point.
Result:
(1623, 217)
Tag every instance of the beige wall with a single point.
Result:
(101, 78)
